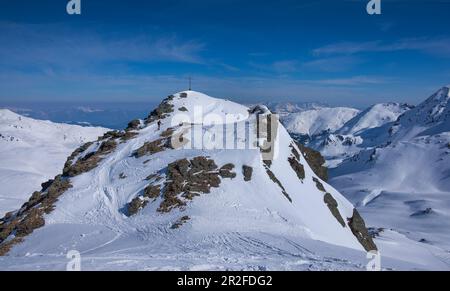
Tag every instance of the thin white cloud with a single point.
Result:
(435, 46)
(354, 81)
(41, 45)
(279, 67)
(333, 64)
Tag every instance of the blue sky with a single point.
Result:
(287, 50)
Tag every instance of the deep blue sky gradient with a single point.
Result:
(287, 50)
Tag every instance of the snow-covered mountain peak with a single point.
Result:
(315, 121)
(375, 116)
(6, 114)
(200, 107)
(198, 169)
(429, 117)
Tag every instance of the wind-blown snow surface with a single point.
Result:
(317, 120)
(402, 183)
(248, 225)
(33, 151)
(367, 129)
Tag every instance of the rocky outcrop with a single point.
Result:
(168, 132)
(152, 191)
(319, 185)
(180, 222)
(276, 181)
(333, 206)
(134, 124)
(115, 134)
(169, 140)
(294, 161)
(162, 111)
(227, 171)
(330, 202)
(183, 109)
(297, 167)
(185, 179)
(247, 171)
(89, 161)
(150, 148)
(315, 160)
(359, 230)
(15, 226)
(135, 205)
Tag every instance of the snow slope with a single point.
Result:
(33, 151)
(318, 120)
(374, 116)
(283, 217)
(366, 130)
(402, 184)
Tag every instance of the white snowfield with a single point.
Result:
(32, 152)
(401, 182)
(375, 116)
(367, 129)
(241, 225)
(317, 120)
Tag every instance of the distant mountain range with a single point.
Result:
(108, 115)
(393, 162)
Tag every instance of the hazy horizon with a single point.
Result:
(252, 51)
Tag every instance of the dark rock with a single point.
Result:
(152, 192)
(6, 247)
(135, 124)
(150, 148)
(359, 230)
(187, 179)
(45, 185)
(32, 221)
(276, 181)
(375, 232)
(183, 109)
(127, 135)
(31, 215)
(107, 147)
(226, 171)
(122, 176)
(268, 163)
(183, 95)
(333, 206)
(135, 205)
(297, 167)
(168, 132)
(77, 152)
(180, 222)
(319, 185)
(315, 160)
(89, 161)
(422, 212)
(161, 112)
(247, 172)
